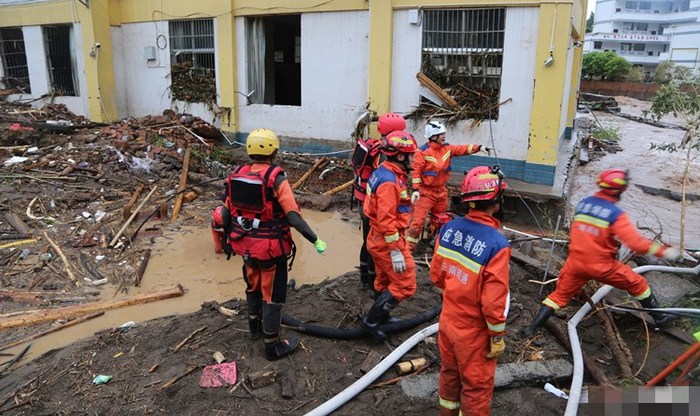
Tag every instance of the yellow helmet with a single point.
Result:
(262, 142)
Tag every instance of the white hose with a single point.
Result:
(355, 388)
(577, 380)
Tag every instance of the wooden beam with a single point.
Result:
(437, 90)
(49, 315)
(181, 188)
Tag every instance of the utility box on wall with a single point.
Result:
(149, 52)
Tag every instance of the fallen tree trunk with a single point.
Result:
(63, 313)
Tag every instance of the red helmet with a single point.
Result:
(217, 217)
(613, 181)
(390, 122)
(399, 142)
(482, 183)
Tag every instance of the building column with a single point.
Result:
(548, 97)
(381, 28)
(227, 69)
(99, 68)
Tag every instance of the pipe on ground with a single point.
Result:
(355, 388)
(357, 333)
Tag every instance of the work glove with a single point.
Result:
(398, 261)
(498, 345)
(320, 246)
(486, 149)
(672, 254)
(415, 196)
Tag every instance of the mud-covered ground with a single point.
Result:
(156, 365)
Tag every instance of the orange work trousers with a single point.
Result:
(400, 285)
(432, 200)
(270, 281)
(466, 375)
(577, 273)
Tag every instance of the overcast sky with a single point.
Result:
(591, 7)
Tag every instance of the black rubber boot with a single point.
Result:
(661, 319)
(275, 348)
(364, 276)
(542, 315)
(254, 301)
(378, 314)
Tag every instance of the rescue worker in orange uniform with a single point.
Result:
(471, 265)
(365, 160)
(260, 209)
(597, 226)
(388, 207)
(431, 171)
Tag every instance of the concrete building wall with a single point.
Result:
(333, 77)
(38, 69)
(143, 86)
(510, 131)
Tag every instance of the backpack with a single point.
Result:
(363, 158)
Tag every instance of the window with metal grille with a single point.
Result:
(192, 59)
(60, 59)
(463, 53)
(13, 57)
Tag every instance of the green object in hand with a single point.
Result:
(320, 246)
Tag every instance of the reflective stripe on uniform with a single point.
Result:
(460, 258)
(644, 294)
(447, 155)
(587, 219)
(549, 302)
(654, 248)
(391, 237)
(449, 404)
(497, 327)
(411, 239)
(431, 159)
(416, 180)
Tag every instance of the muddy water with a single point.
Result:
(187, 257)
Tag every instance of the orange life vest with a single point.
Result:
(259, 228)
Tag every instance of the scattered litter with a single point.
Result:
(99, 257)
(127, 326)
(218, 375)
(101, 379)
(555, 391)
(15, 160)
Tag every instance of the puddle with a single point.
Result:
(187, 257)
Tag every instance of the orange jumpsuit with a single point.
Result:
(431, 171)
(598, 224)
(388, 207)
(471, 265)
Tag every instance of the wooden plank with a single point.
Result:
(432, 86)
(49, 315)
(339, 188)
(319, 162)
(181, 188)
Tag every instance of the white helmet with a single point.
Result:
(433, 128)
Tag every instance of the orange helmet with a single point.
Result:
(390, 122)
(482, 183)
(399, 142)
(613, 181)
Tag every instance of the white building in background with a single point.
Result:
(647, 32)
